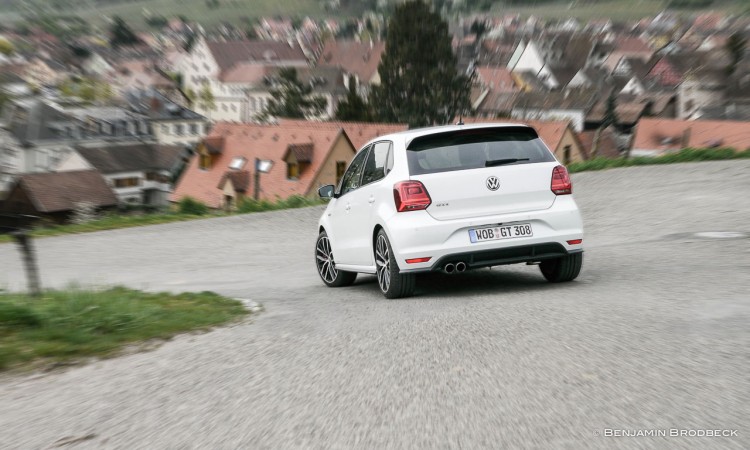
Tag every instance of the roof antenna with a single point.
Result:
(460, 119)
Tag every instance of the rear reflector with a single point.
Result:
(561, 184)
(410, 196)
(575, 242)
(418, 260)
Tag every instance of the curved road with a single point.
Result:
(653, 337)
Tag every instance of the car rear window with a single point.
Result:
(475, 148)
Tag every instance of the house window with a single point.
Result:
(205, 161)
(193, 129)
(127, 182)
(165, 129)
(178, 129)
(292, 171)
(566, 154)
(340, 168)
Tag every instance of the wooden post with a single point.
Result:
(29, 260)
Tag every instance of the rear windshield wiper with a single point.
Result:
(500, 162)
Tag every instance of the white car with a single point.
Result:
(449, 199)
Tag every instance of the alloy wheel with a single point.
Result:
(324, 259)
(383, 263)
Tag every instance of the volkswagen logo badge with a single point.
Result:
(492, 183)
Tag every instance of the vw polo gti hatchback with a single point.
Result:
(449, 199)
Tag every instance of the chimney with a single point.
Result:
(685, 138)
(155, 104)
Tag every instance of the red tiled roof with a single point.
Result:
(301, 152)
(246, 72)
(268, 142)
(666, 135)
(360, 58)
(497, 79)
(358, 132)
(228, 54)
(240, 180)
(607, 143)
(630, 44)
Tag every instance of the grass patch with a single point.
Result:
(686, 155)
(67, 325)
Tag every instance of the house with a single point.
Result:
(571, 105)
(138, 74)
(357, 59)
(326, 82)
(655, 137)
(138, 173)
(303, 159)
(228, 68)
(630, 47)
(37, 134)
(559, 136)
(606, 143)
(171, 123)
(54, 196)
(493, 91)
(555, 58)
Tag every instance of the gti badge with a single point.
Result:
(492, 183)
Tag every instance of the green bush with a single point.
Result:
(295, 201)
(193, 207)
(248, 205)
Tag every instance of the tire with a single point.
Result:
(392, 283)
(326, 266)
(562, 269)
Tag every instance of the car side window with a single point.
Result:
(376, 167)
(353, 175)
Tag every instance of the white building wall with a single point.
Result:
(576, 117)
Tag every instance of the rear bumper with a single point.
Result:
(417, 235)
(502, 256)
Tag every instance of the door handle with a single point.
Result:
(371, 200)
(348, 207)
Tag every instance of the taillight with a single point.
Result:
(410, 196)
(561, 184)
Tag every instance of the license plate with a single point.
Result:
(500, 232)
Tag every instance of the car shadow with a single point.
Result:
(470, 283)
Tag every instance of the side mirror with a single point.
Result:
(326, 192)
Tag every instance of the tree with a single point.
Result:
(735, 46)
(419, 80)
(292, 99)
(353, 107)
(121, 34)
(206, 99)
(478, 28)
(610, 119)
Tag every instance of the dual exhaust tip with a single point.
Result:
(455, 268)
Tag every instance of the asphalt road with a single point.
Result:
(654, 336)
